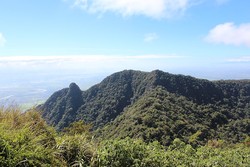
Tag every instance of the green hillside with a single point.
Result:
(162, 116)
(156, 106)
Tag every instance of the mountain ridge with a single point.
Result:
(105, 103)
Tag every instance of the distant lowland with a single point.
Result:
(155, 106)
(34, 89)
(24, 98)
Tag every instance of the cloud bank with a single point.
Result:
(2, 40)
(243, 59)
(150, 8)
(230, 34)
(91, 63)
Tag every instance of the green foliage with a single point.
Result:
(136, 153)
(163, 116)
(130, 153)
(194, 138)
(227, 156)
(78, 127)
(75, 146)
(25, 140)
(75, 150)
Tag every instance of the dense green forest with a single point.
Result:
(26, 140)
(156, 106)
(163, 116)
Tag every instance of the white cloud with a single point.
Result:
(83, 4)
(150, 8)
(240, 59)
(2, 40)
(230, 34)
(87, 62)
(30, 60)
(150, 37)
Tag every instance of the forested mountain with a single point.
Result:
(156, 106)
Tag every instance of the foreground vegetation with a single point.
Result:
(26, 140)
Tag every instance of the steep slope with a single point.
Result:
(163, 116)
(104, 101)
(157, 115)
(108, 100)
(99, 104)
(60, 109)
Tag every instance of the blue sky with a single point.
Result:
(204, 38)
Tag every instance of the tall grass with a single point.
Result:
(25, 139)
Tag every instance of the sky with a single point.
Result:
(204, 38)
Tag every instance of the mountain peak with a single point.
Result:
(73, 86)
(74, 96)
(74, 91)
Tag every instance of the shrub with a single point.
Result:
(25, 139)
(75, 150)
